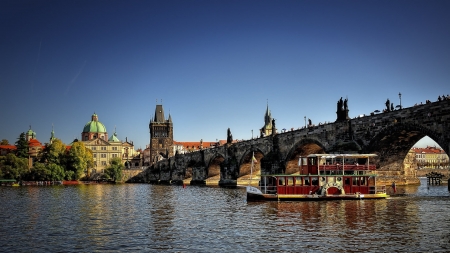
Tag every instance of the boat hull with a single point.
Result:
(256, 195)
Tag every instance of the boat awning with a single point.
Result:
(342, 155)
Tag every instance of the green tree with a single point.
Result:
(13, 167)
(4, 142)
(54, 153)
(22, 146)
(79, 159)
(57, 172)
(39, 172)
(114, 170)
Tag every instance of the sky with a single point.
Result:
(213, 64)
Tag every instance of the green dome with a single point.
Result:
(94, 126)
(114, 138)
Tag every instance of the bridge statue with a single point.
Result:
(342, 110)
(274, 129)
(388, 103)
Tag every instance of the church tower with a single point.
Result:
(266, 130)
(161, 136)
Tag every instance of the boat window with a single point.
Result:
(355, 180)
(298, 181)
(281, 181)
(306, 180)
(290, 181)
(315, 180)
(312, 161)
(347, 181)
(304, 161)
(363, 181)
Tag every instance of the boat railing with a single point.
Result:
(332, 167)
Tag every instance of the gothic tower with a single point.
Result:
(161, 136)
(266, 130)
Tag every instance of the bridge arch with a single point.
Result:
(213, 166)
(302, 148)
(246, 159)
(393, 143)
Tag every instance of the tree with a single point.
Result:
(79, 159)
(39, 172)
(13, 167)
(22, 146)
(4, 142)
(114, 171)
(54, 153)
(56, 172)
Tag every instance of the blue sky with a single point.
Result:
(214, 64)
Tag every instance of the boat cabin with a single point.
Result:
(326, 174)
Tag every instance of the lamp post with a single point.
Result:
(305, 121)
(400, 96)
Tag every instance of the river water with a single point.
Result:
(155, 218)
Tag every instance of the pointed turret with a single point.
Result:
(52, 135)
(266, 130)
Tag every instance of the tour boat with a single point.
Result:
(322, 177)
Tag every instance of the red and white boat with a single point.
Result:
(322, 177)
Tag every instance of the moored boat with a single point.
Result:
(322, 177)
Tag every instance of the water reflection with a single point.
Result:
(154, 218)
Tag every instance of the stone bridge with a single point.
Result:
(390, 135)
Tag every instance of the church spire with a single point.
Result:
(52, 135)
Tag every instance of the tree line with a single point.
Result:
(55, 162)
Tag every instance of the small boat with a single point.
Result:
(322, 177)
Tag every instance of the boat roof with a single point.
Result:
(342, 155)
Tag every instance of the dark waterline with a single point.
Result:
(154, 218)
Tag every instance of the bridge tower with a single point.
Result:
(267, 129)
(161, 136)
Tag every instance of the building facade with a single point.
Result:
(95, 137)
(431, 158)
(161, 136)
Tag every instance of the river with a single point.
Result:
(156, 218)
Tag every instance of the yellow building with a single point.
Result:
(431, 158)
(95, 137)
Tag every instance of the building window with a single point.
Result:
(114, 148)
(103, 162)
(103, 148)
(114, 155)
(95, 155)
(94, 148)
(103, 155)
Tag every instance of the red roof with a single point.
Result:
(428, 150)
(34, 143)
(196, 144)
(10, 147)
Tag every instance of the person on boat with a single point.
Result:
(393, 187)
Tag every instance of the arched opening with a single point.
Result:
(400, 154)
(250, 168)
(213, 170)
(302, 149)
(428, 156)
